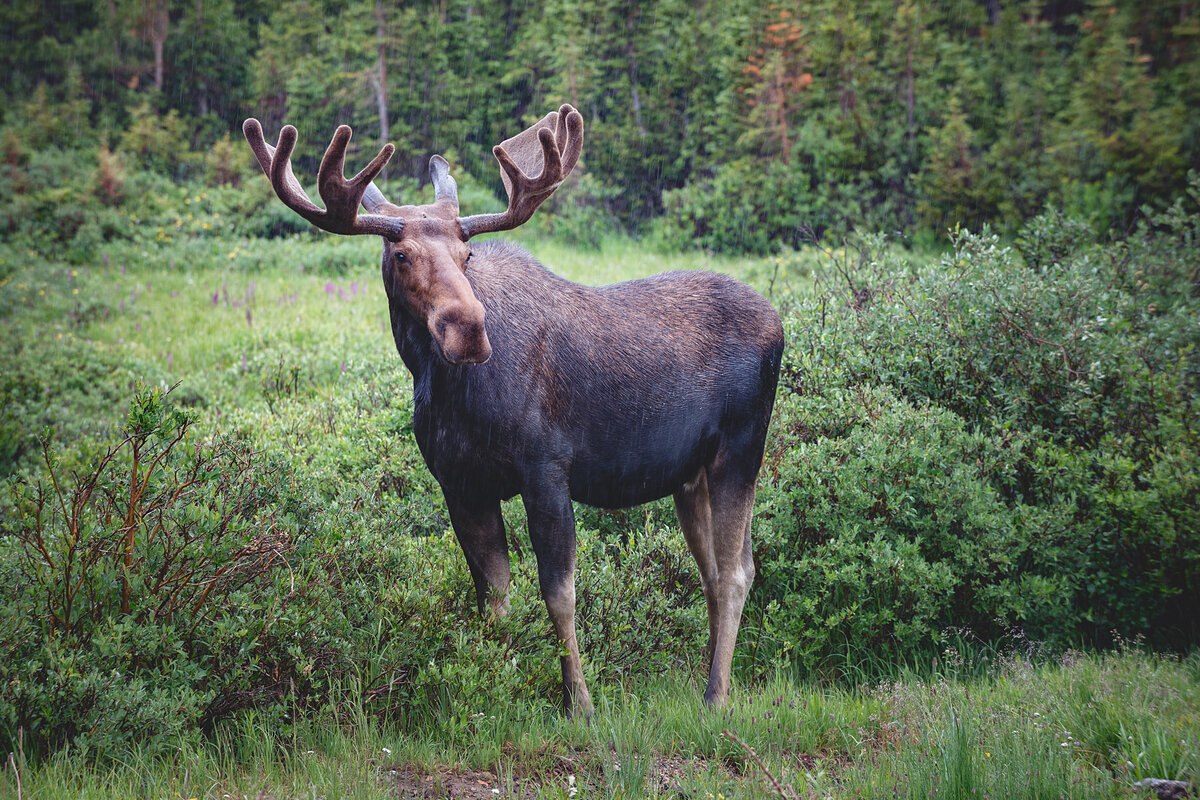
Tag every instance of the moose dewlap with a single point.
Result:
(525, 383)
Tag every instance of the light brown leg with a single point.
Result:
(715, 517)
(695, 518)
(560, 602)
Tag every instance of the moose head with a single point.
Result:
(426, 245)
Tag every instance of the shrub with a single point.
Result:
(983, 445)
(168, 583)
(73, 392)
(578, 214)
(743, 207)
(123, 577)
(158, 141)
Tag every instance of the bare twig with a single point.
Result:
(16, 772)
(784, 790)
(1033, 337)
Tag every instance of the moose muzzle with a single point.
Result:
(460, 333)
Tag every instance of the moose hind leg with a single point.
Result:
(479, 527)
(714, 512)
(552, 534)
(695, 519)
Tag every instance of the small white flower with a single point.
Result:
(386, 751)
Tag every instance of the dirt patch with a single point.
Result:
(666, 775)
(443, 781)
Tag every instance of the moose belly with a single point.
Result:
(629, 466)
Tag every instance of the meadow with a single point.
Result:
(936, 604)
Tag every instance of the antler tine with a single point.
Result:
(570, 137)
(552, 148)
(342, 197)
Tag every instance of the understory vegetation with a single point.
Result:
(224, 568)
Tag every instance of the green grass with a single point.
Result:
(1021, 731)
(222, 315)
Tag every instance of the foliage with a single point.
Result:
(734, 127)
(45, 386)
(157, 141)
(124, 576)
(212, 579)
(988, 446)
(984, 723)
(1003, 440)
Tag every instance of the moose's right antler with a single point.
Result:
(548, 152)
(342, 197)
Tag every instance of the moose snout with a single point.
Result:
(460, 332)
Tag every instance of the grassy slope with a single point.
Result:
(1013, 730)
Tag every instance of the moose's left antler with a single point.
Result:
(548, 152)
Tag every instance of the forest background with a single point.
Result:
(740, 126)
(976, 220)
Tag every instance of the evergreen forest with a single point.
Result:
(739, 126)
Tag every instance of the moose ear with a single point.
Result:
(444, 187)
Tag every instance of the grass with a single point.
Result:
(1020, 731)
(221, 314)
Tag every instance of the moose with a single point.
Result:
(526, 383)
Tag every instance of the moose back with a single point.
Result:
(525, 383)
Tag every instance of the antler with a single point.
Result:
(342, 197)
(548, 151)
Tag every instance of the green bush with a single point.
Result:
(577, 213)
(985, 446)
(743, 207)
(75, 392)
(119, 575)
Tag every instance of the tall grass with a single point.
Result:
(1087, 727)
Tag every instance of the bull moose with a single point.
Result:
(526, 383)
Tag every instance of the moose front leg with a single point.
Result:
(552, 534)
(479, 527)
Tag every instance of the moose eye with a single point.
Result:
(401, 258)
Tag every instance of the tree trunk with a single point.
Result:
(112, 18)
(631, 57)
(159, 20)
(781, 105)
(380, 81)
(911, 93)
(202, 89)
